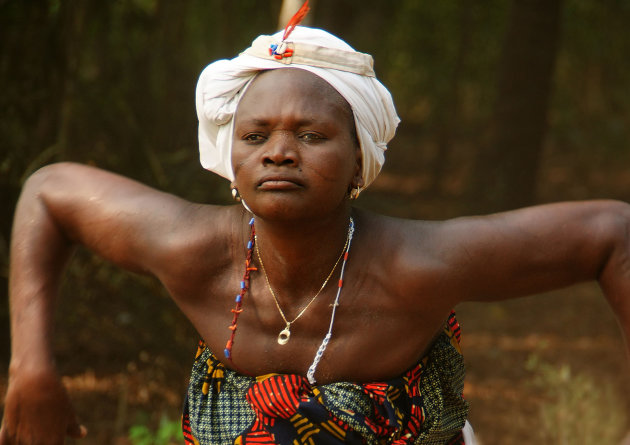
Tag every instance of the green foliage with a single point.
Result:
(578, 409)
(433, 43)
(168, 433)
(592, 60)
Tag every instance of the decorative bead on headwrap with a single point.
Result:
(280, 50)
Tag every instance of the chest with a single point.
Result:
(375, 334)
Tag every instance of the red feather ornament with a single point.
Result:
(296, 20)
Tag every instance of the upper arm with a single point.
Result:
(527, 251)
(126, 222)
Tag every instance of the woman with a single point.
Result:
(344, 315)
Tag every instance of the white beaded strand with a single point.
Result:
(310, 374)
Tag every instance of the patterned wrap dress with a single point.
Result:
(423, 406)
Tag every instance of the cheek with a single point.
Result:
(241, 157)
(338, 167)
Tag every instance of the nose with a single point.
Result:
(281, 150)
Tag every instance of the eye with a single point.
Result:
(310, 136)
(253, 138)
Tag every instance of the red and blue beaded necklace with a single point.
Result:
(244, 287)
(249, 267)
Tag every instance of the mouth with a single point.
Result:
(279, 183)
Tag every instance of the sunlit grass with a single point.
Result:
(168, 432)
(577, 409)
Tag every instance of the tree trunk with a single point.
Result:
(289, 8)
(449, 119)
(507, 165)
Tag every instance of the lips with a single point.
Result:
(279, 182)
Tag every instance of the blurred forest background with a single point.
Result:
(503, 104)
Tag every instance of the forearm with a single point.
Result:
(39, 251)
(614, 270)
(37, 407)
(615, 282)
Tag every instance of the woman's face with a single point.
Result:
(294, 152)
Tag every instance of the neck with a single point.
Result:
(299, 255)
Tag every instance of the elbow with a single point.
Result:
(46, 173)
(47, 180)
(614, 275)
(614, 228)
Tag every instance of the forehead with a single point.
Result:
(291, 90)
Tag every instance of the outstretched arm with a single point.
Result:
(537, 249)
(61, 205)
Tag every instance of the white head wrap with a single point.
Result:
(222, 84)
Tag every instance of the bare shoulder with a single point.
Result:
(406, 254)
(206, 241)
(133, 225)
(402, 238)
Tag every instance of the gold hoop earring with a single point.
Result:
(355, 192)
(235, 195)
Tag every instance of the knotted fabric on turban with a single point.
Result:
(223, 83)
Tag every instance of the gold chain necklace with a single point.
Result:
(285, 334)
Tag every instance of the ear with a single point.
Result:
(357, 179)
(235, 194)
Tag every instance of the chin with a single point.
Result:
(286, 209)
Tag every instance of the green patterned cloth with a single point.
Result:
(423, 406)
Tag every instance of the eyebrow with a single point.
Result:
(262, 122)
(257, 121)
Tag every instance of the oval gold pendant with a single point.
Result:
(284, 336)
